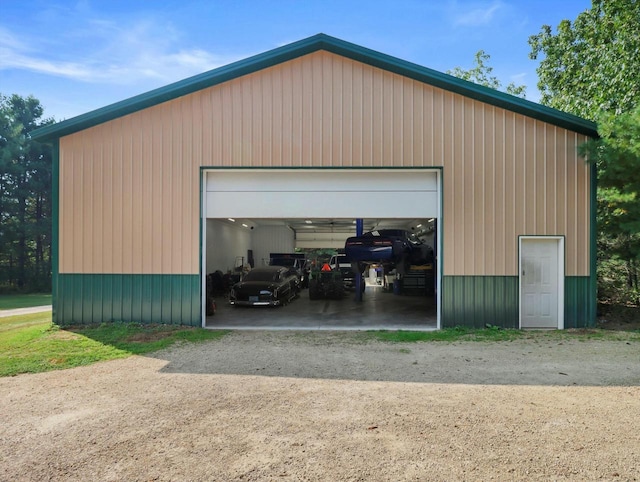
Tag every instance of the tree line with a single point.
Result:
(25, 197)
(589, 67)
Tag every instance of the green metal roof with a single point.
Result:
(304, 47)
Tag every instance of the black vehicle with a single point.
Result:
(325, 283)
(266, 286)
(394, 248)
(292, 260)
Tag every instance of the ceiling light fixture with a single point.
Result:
(308, 221)
(245, 225)
(232, 220)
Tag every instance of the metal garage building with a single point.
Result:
(323, 129)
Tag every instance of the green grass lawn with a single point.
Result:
(10, 302)
(495, 334)
(32, 343)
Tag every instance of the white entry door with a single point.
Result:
(541, 282)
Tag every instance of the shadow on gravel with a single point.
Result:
(325, 356)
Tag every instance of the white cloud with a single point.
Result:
(518, 78)
(475, 16)
(104, 51)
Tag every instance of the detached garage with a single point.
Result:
(296, 147)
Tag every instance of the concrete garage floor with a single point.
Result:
(379, 310)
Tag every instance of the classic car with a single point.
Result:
(266, 286)
(394, 248)
(292, 260)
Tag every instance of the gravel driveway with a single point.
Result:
(323, 406)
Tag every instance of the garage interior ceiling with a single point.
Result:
(337, 225)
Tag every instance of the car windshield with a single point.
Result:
(257, 275)
(283, 262)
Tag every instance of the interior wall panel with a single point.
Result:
(129, 188)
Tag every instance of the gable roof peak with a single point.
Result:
(319, 41)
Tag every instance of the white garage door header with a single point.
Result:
(322, 193)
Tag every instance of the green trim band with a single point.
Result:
(304, 47)
(146, 298)
(478, 301)
(578, 300)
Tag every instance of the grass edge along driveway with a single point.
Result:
(32, 343)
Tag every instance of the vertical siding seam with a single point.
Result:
(474, 173)
(132, 243)
(347, 126)
(503, 234)
(107, 208)
(465, 174)
(361, 116)
(321, 114)
(171, 252)
(572, 183)
(514, 177)
(524, 176)
(160, 166)
(89, 219)
(447, 106)
(338, 120)
(156, 158)
(535, 197)
(494, 232)
(534, 168)
(433, 133)
(586, 209)
(277, 93)
(258, 121)
(555, 184)
(401, 115)
(71, 264)
(247, 99)
(546, 193)
(483, 162)
(421, 129)
(372, 122)
(492, 178)
(78, 215)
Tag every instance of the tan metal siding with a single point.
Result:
(130, 194)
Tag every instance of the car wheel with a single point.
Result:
(314, 292)
(338, 292)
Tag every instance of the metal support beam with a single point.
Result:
(359, 280)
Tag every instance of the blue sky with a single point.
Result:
(77, 56)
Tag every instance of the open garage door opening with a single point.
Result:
(305, 269)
